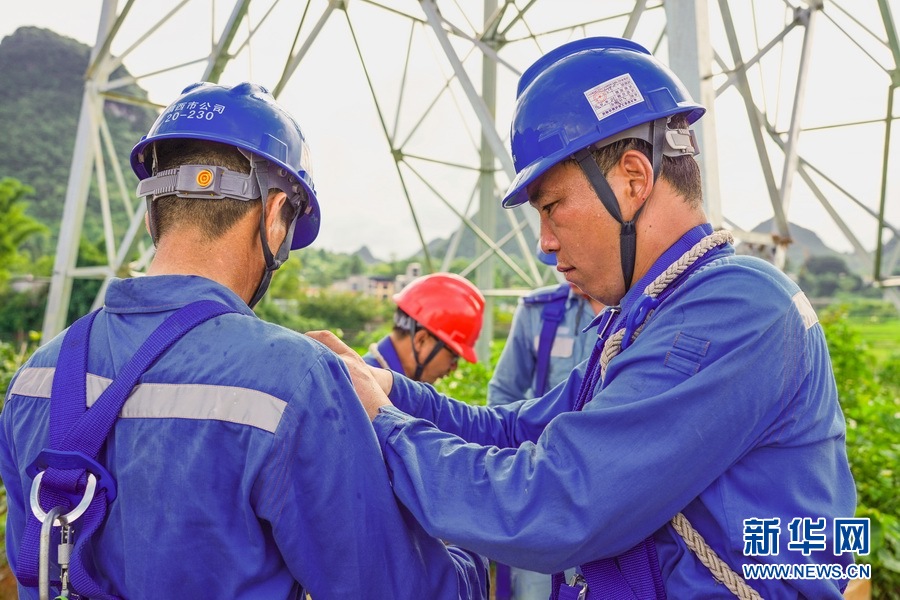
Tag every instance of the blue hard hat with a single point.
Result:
(582, 93)
(245, 116)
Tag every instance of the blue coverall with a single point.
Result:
(724, 408)
(387, 351)
(245, 465)
(514, 375)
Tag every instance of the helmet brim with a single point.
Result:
(307, 228)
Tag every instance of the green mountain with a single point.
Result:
(40, 101)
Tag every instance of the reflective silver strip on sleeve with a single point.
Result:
(171, 401)
(807, 312)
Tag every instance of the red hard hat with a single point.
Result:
(449, 307)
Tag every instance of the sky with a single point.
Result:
(360, 189)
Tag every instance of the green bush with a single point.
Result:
(350, 316)
(11, 358)
(469, 382)
(869, 392)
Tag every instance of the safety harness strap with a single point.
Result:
(551, 316)
(77, 434)
(634, 575)
(64, 406)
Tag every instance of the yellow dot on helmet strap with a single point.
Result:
(204, 178)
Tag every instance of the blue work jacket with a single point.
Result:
(246, 466)
(723, 408)
(515, 373)
(386, 349)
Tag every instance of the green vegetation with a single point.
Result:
(16, 227)
(869, 389)
(40, 100)
(469, 382)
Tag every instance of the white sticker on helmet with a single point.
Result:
(198, 111)
(613, 95)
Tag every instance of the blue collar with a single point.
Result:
(609, 319)
(162, 293)
(389, 354)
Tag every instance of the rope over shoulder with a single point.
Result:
(614, 345)
(721, 571)
(692, 538)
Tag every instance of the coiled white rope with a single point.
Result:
(614, 344)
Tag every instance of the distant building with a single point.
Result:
(381, 287)
(413, 270)
(28, 283)
(367, 285)
(378, 286)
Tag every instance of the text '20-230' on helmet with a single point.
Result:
(245, 116)
(585, 92)
(448, 306)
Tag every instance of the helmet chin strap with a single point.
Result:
(260, 167)
(628, 229)
(420, 365)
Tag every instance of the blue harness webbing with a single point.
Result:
(634, 575)
(77, 434)
(552, 314)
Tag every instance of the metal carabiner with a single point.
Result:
(579, 580)
(76, 512)
(44, 557)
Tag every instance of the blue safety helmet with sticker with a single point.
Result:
(245, 116)
(585, 92)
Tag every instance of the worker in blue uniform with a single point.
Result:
(702, 439)
(545, 342)
(437, 321)
(172, 444)
(544, 345)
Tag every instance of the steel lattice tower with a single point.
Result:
(421, 59)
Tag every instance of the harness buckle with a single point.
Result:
(578, 581)
(609, 317)
(97, 477)
(60, 520)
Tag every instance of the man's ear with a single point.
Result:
(149, 231)
(638, 172)
(420, 338)
(274, 204)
